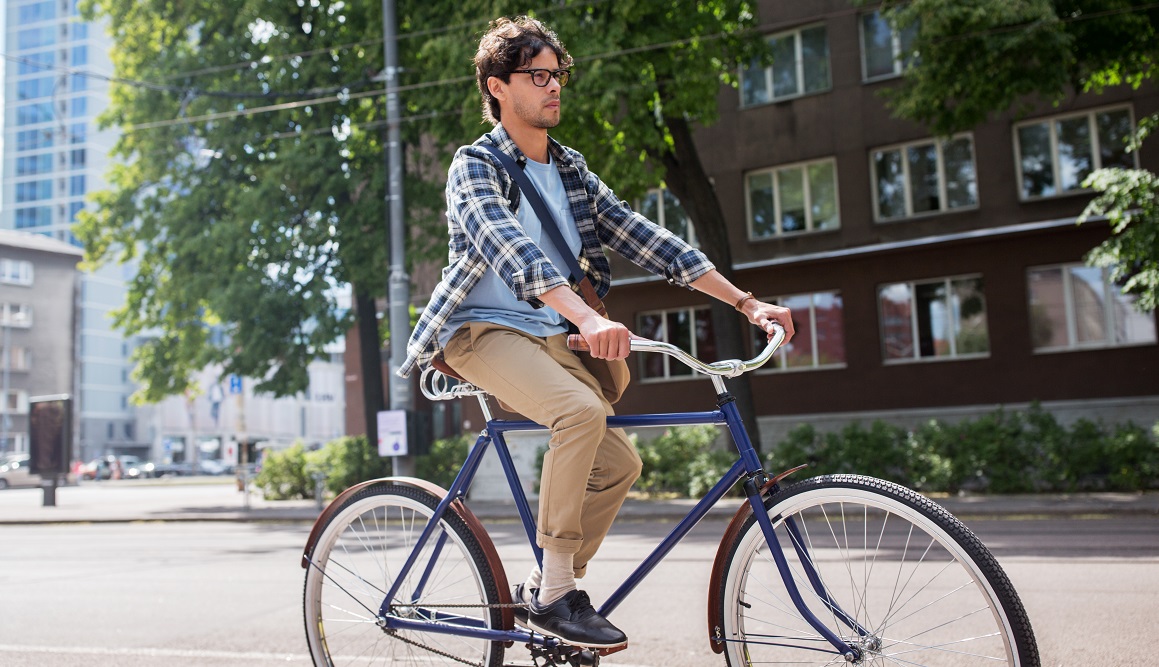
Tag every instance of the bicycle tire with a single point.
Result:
(922, 585)
(352, 567)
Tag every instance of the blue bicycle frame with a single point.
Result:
(747, 468)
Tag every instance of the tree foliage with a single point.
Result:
(973, 58)
(248, 183)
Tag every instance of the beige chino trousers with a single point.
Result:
(588, 467)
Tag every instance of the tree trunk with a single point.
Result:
(370, 362)
(685, 177)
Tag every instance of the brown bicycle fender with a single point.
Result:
(458, 507)
(738, 520)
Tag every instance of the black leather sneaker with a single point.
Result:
(573, 619)
(518, 596)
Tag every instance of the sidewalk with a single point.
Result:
(219, 500)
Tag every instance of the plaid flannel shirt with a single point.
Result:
(484, 232)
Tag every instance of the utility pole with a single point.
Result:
(398, 287)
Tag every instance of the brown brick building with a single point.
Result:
(928, 276)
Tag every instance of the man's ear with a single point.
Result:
(497, 87)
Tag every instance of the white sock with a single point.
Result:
(558, 577)
(534, 580)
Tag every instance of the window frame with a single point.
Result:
(1109, 323)
(806, 189)
(898, 56)
(915, 332)
(1052, 127)
(943, 198)
(16, 271)
(667, 361)
(778, 363)
(659, 191)
(800, 63)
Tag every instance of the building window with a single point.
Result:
(77, 158)
(690, 329)
(31, 139)
(75, 208)
(936, 319)
(819, 341)
(79, 83)
(34, 164)
(34, 190)
(885, 52)
(15, 402)
(16, 315)
(76, 185)
(76, 133)
(663, 208)
(19, 360)
(80, 55)
(31, 114)
(39, 216)
(1074, 306)
(800, 66)
(1056, 155)
(792, 199)
(34, 37)
(80, 31)
(30, 89)
(924, 177)
(15, 271)
(35, 63)
(37, 11)
(79, 107)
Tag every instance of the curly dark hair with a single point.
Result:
(512, 44)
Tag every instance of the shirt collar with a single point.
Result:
(503, 142)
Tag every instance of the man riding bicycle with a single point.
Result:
(500, 316)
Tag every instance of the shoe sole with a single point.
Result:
(570, 642)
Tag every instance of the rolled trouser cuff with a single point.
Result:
(558, 544)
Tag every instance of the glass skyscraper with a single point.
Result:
(54, 155)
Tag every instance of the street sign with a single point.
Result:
(234, 383)
(392, 433)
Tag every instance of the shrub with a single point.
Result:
(442, 463)
(347, 461)
(669, 460)
(283, 475)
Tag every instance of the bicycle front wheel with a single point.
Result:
(888, 571)
(357, 559)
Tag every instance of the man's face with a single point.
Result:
(529, 104)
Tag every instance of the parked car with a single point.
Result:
(15, 472)
(135, 468)
(172, 469)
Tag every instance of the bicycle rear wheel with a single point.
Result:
(357, 559)
(908, 583)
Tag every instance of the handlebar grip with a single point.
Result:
(577, 343)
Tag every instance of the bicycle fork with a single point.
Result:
(752, 490)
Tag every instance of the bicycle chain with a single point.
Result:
(412, 642)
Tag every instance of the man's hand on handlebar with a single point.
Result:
(606, 339)
(764, 314)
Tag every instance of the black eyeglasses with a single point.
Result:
(542, 77)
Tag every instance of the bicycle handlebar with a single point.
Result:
(729, 368)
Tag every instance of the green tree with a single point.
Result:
(646, 75)
(978, 57)
(249, 185)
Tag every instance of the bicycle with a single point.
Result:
(830, 570)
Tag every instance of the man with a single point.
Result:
(500, 314)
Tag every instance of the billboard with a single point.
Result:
(50, 434)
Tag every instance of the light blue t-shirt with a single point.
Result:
(491, 300)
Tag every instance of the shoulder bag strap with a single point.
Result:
(551, 227)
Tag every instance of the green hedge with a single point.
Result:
(288, 474)
(1002, 452)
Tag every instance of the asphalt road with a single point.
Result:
(225, 593)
